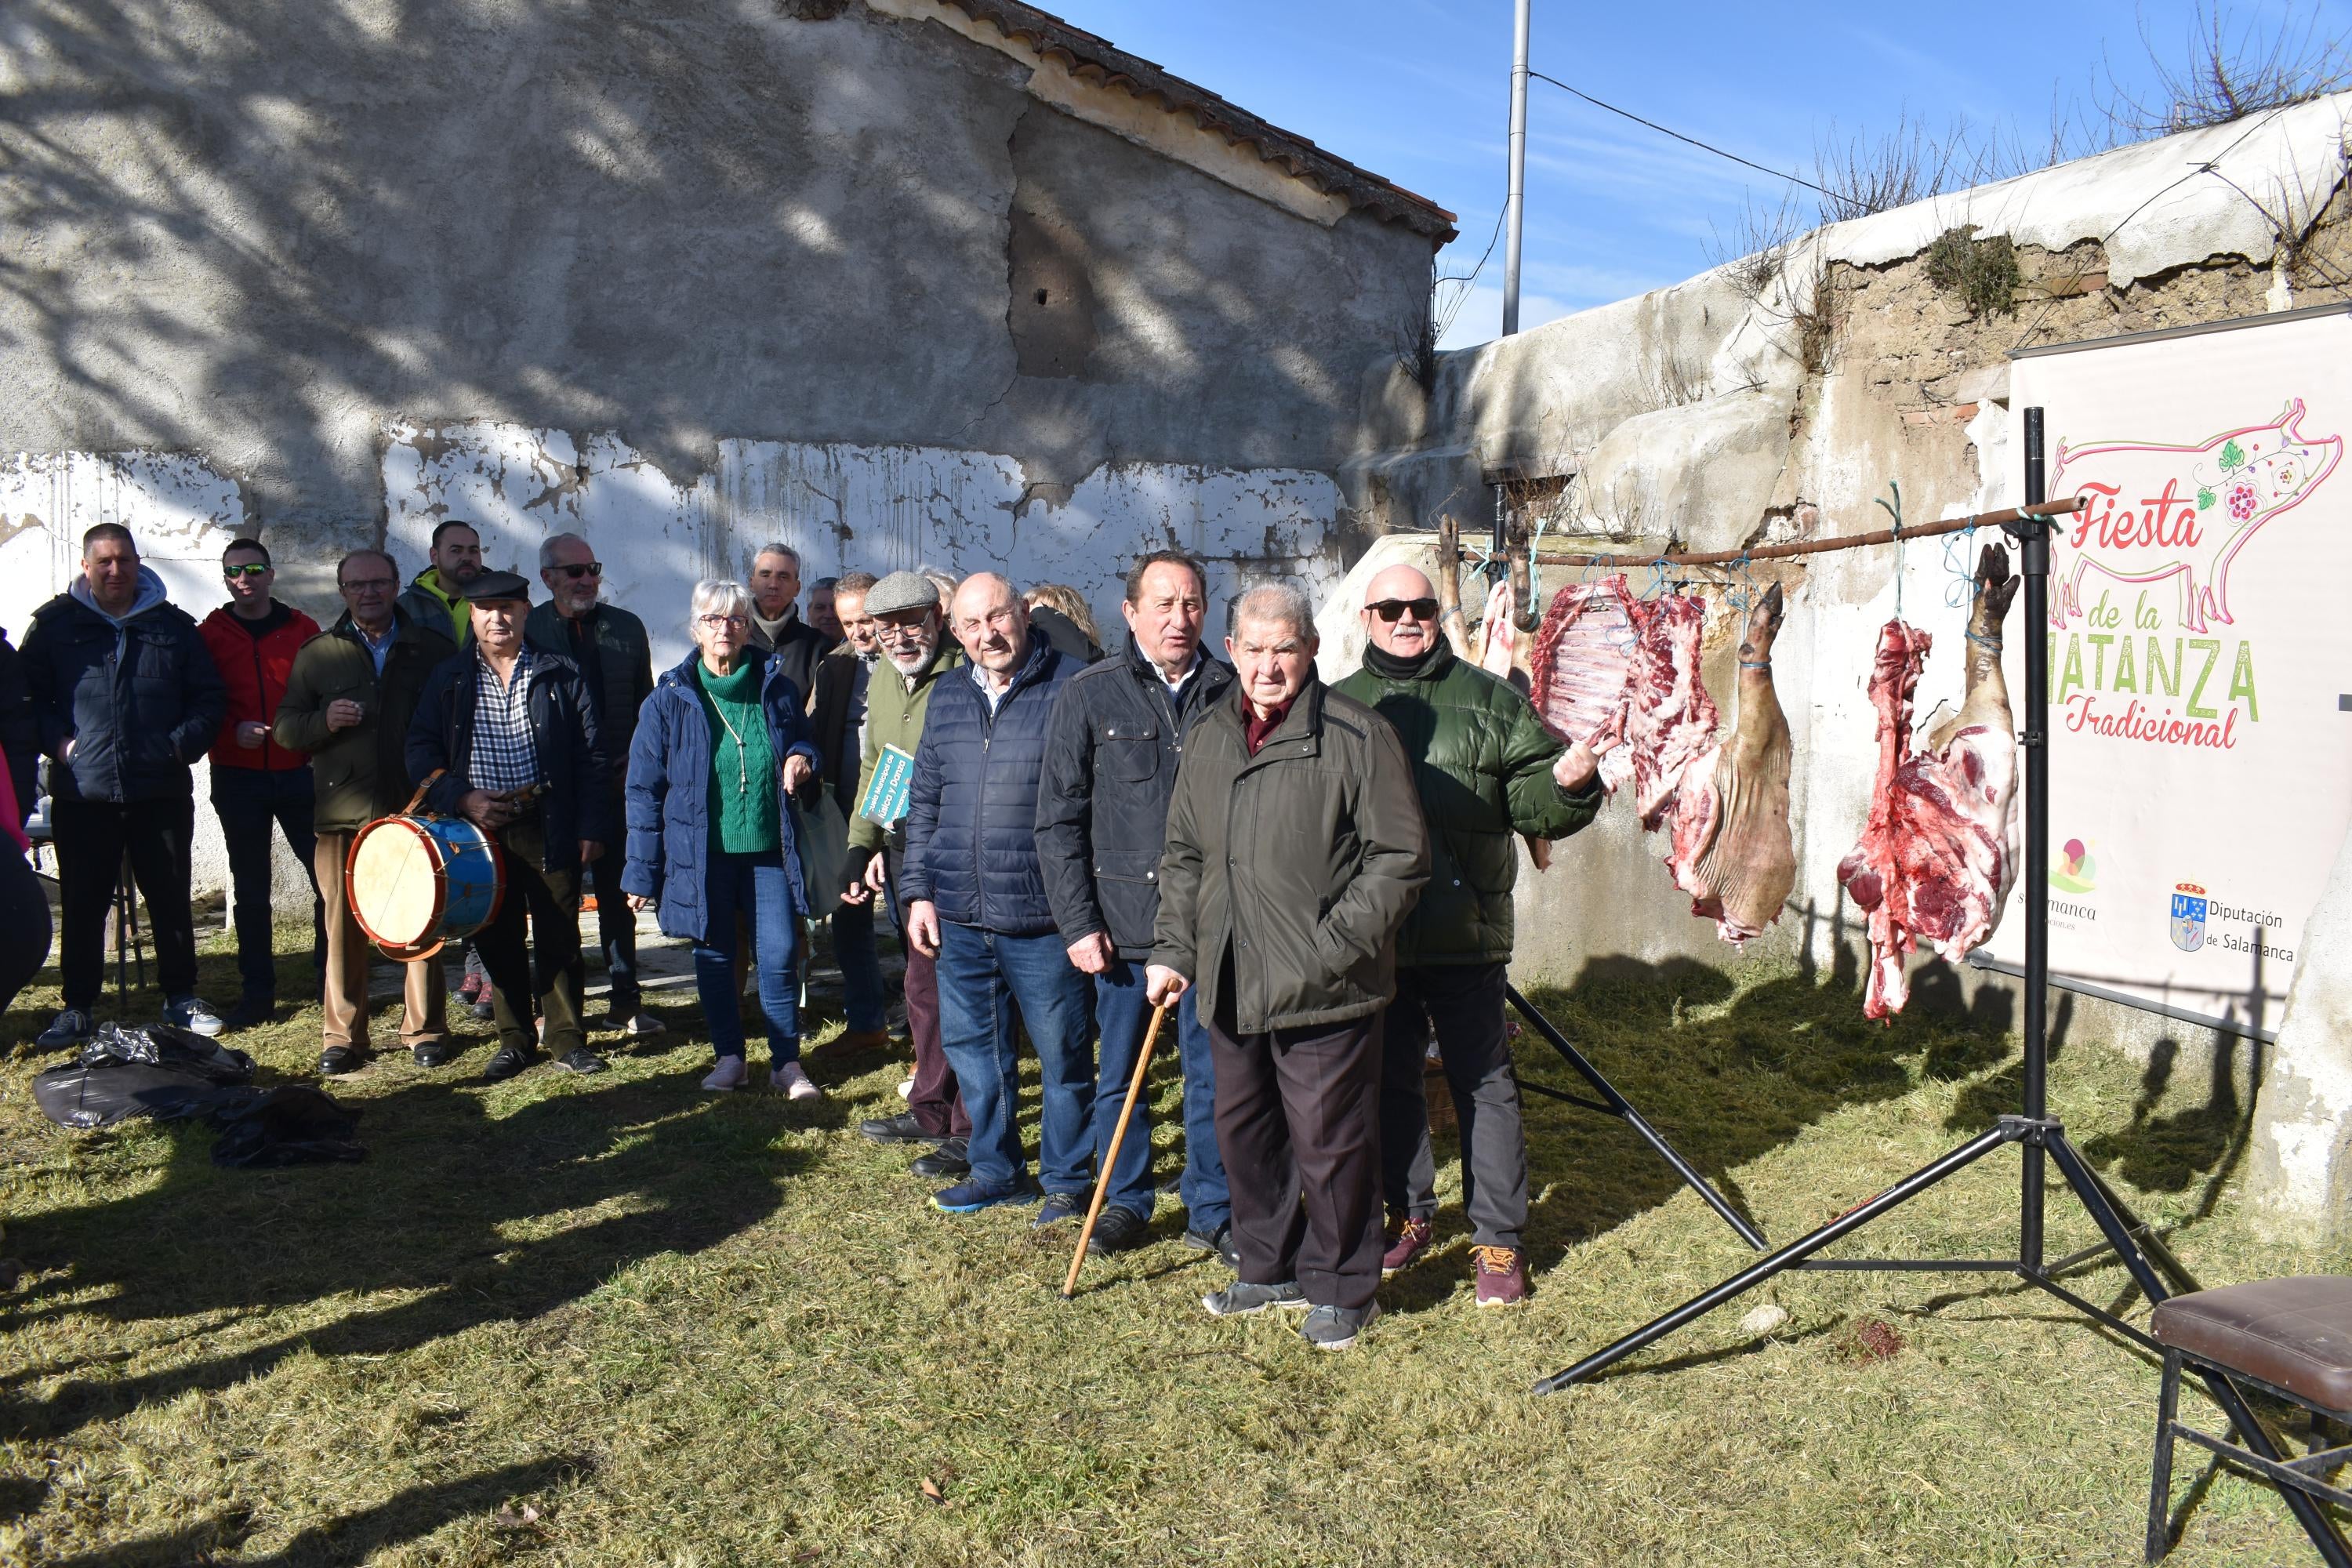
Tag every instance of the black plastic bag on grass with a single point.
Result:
(158, 1072)
(292, 1124)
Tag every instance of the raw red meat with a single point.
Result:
(1731, 849)
(1670, 721)
(1581, 671)
(1939, 853)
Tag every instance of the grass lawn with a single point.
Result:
(614, 1320)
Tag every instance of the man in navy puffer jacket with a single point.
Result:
(976, 897)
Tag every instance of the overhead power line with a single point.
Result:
(1692, 140)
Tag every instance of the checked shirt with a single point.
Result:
(506, 757)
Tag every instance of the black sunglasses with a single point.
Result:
(591, 569)
(1392, 610)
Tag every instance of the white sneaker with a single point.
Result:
(731, 1073)
(906, 1089)
(794, 1080)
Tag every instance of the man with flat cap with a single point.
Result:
(507, 735)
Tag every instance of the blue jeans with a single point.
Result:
(249, 803)
(754, 886)
(981, 975)
(861, 967)
(1123, 1015)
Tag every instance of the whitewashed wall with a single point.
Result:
(842, 506)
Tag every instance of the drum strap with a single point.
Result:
(418, 798)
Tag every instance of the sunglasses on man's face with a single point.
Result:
(251, 569)
(588, 569)
(1393, 610)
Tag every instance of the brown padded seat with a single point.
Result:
(2295, 1333)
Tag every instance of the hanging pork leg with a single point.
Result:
(1731, 848)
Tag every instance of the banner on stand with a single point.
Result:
(2201, 656)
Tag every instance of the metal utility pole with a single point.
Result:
(1516, 202)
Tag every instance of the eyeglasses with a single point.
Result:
(250, 569)
(369, 585)
(715, 622)
(589, 569)
(899, 630)
(1393, 610)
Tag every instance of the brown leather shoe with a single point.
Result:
(861, 1040)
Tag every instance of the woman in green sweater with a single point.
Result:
(720, 749)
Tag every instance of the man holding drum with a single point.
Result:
(507, 734)
(348, 702)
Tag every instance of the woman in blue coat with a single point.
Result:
(719, 750)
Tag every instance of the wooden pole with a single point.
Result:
(1819, 546)
(1110, 1160)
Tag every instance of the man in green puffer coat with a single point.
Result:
(1486, 771)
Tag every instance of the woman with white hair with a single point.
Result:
(720, 748)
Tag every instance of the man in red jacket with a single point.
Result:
(256, 781)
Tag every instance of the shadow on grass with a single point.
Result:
(480, 1220)
(404, 1516)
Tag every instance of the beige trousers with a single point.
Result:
(424, 997)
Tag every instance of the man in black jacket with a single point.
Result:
(1118, 734)
(615, 658)
(837, 723)
(127, 698)
(776, 623)
(507, 736)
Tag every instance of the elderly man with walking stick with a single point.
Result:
(1295, 849)
(1486, 769)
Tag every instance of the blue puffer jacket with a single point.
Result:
(667, 797)
(971, 819)
(139, 697)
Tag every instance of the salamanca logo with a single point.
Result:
(2188, 916)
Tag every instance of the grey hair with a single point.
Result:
(547, 548)
(1279, 603)
(786, 551)
(384, 555)
(717, 596)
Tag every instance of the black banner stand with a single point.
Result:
(2035, 1132)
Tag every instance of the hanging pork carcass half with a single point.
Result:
(1581, 671)
(1730, 845)
(1670, 721)
(1939, 856)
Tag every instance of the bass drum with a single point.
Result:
(417, 882)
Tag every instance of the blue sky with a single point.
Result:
(1417, 90)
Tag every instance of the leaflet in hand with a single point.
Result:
(887, 783)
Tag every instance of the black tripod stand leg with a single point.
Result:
(2094, 1195)
(2150, 1242)
(1622, 1106)
(1794, 1253)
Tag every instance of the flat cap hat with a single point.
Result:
(497, 585)
(902, 591)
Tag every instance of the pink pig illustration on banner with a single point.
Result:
(2159, 512)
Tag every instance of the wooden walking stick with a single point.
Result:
(1110, 1160)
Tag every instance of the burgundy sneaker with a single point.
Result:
(1408, 1239)
(1502, 1275)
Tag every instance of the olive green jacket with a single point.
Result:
(1482, 764)
(895, 707)
(361, 772)
(1299, 863)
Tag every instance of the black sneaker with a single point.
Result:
(433, 1053)
(483, 1012)
(339, 1059)
(508, 1062)
(900, 1129)
(1336, 1328)
(1059, 1206)
(949, 1159)
(70, 1028)
(1237, 1299)
(1117, 1230)
(1219, 1241)
(582, 1060)
(251, 1011)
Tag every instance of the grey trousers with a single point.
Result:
(1464, 1003)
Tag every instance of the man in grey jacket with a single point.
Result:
(1295, 847)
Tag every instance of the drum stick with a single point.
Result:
(1110, 1160)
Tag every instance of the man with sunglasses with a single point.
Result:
(615, 661)
(257, 779)
(349, 699)
(1486, 771)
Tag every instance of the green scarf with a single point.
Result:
(743, 778)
